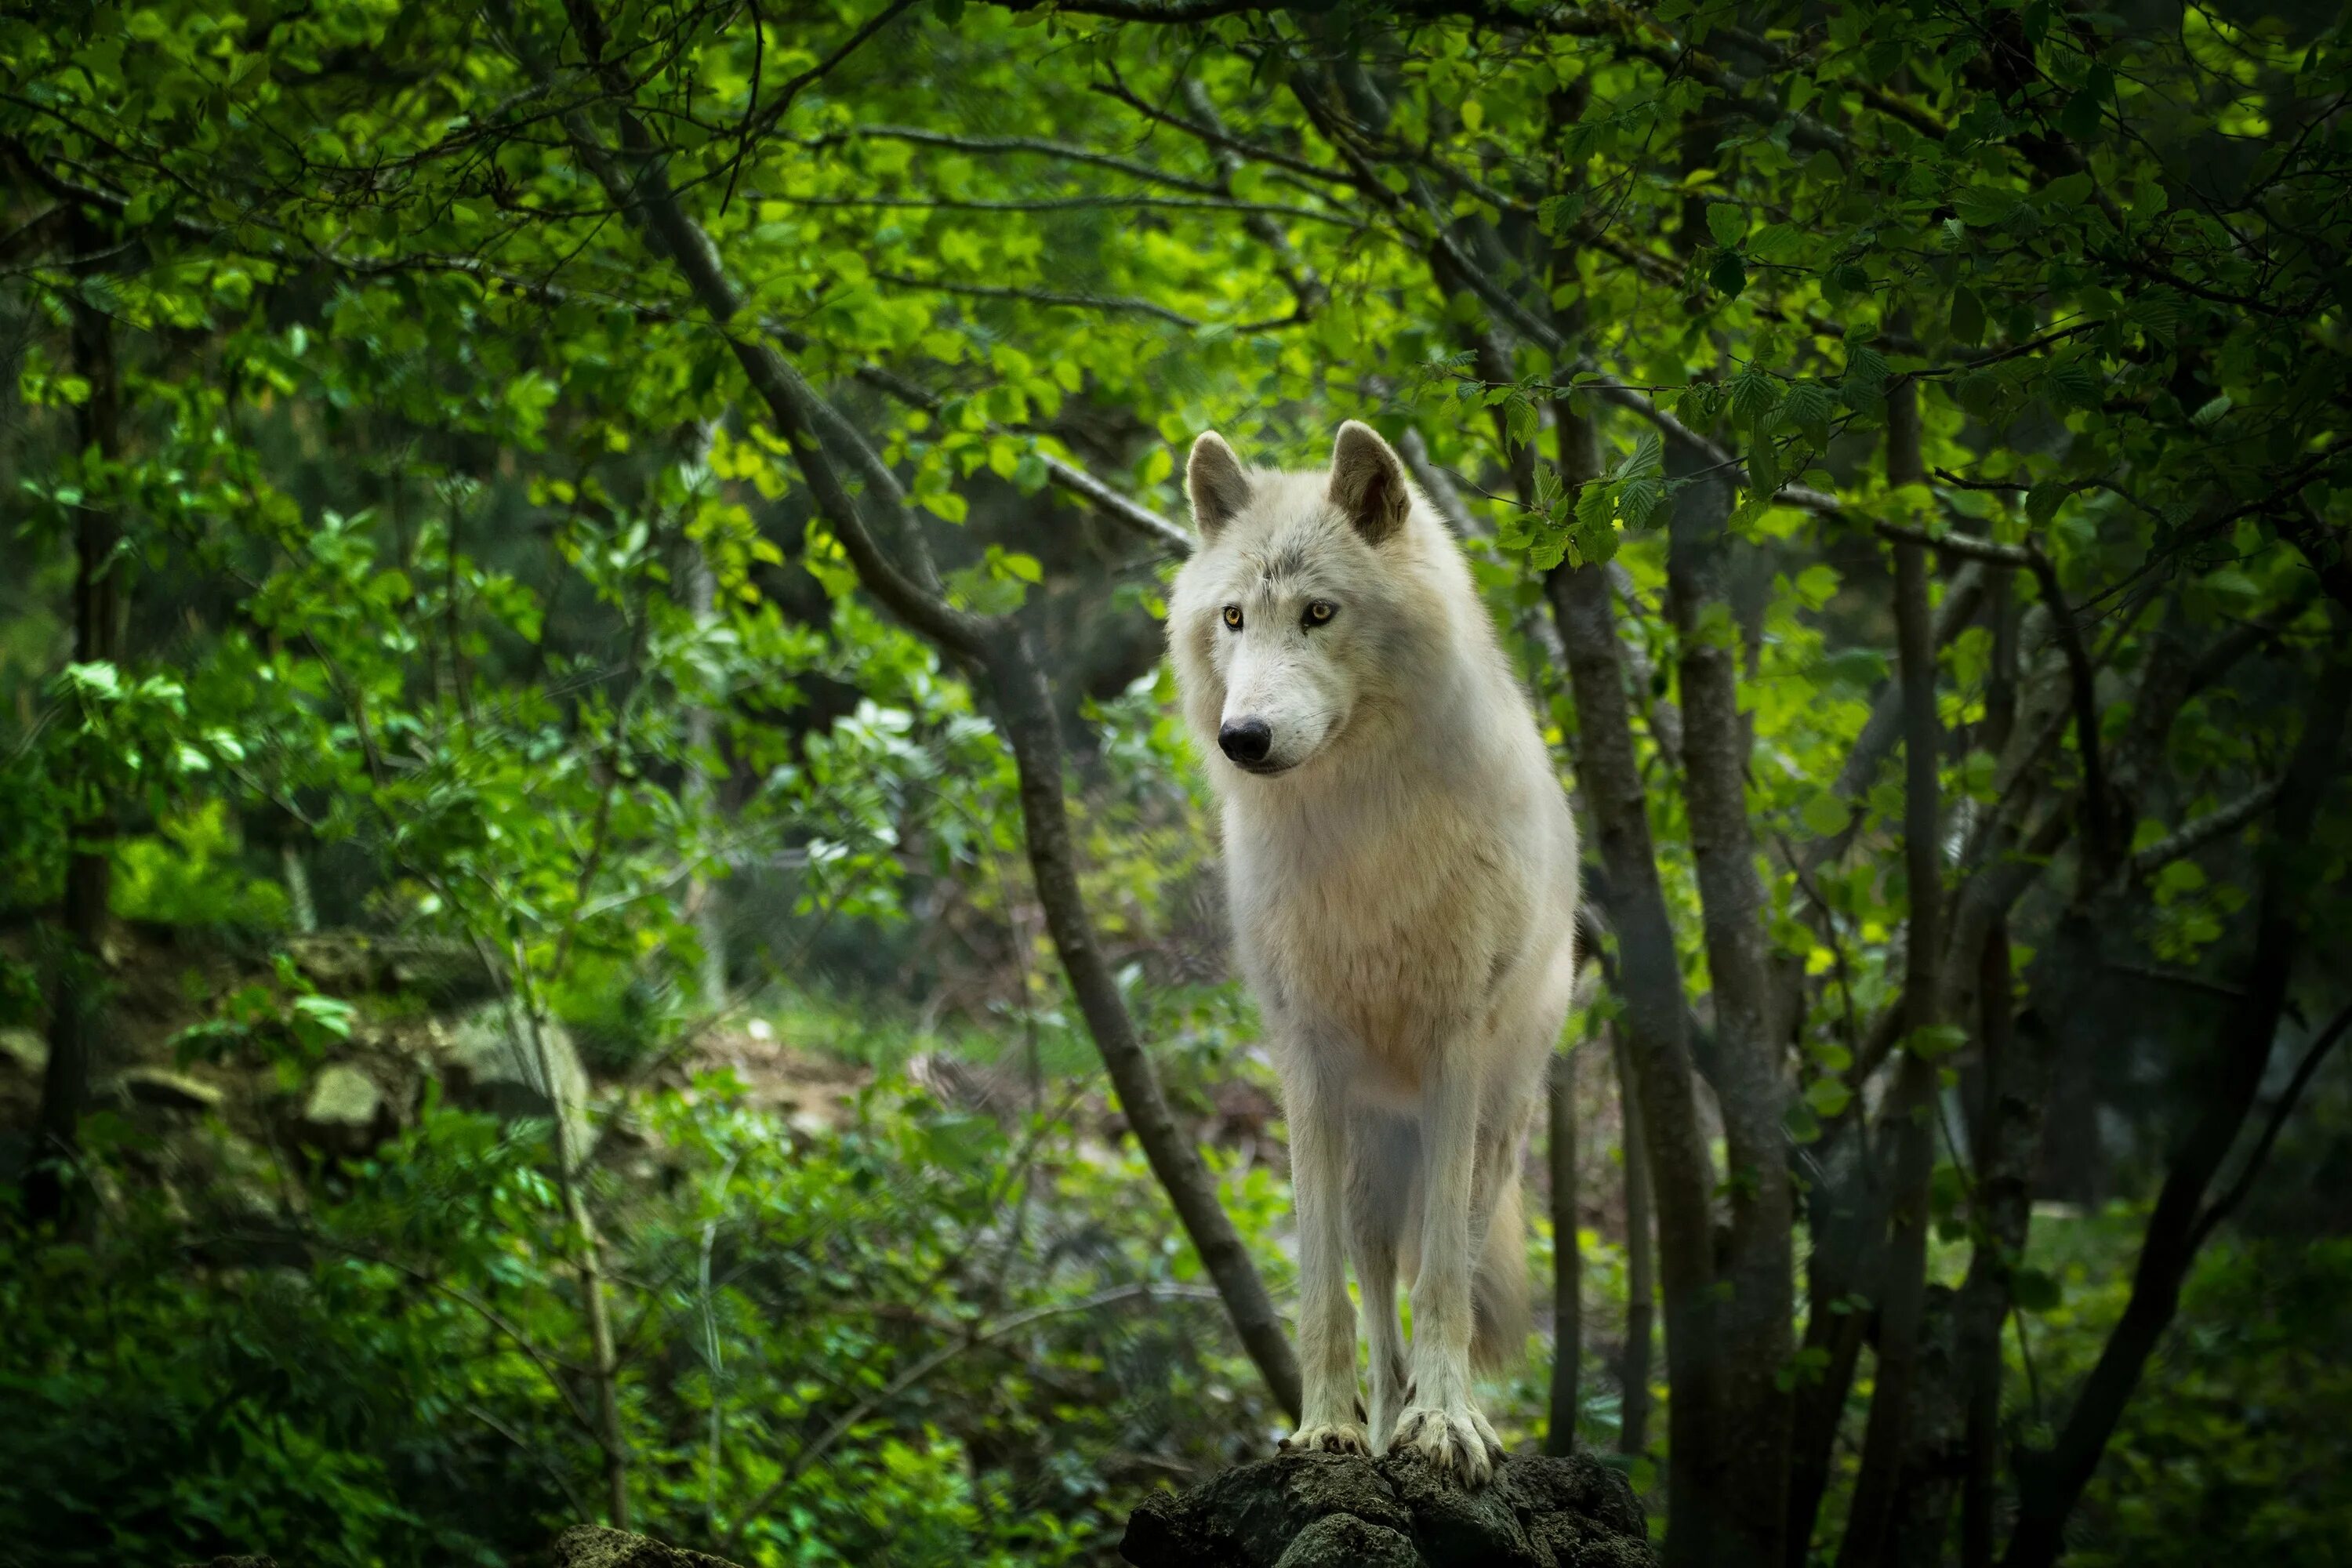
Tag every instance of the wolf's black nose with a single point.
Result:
(1248, 741)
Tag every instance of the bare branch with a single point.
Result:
(2192, 835)
(1061, 149)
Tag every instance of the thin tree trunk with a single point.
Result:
(1847, 1214)
(1758, 1270)
(2017, 1075)
(1027, 711)
(1641, 1264)
(2016, 1087)
(905, 585)
(604, 1364)
(701, 790)
(1568, 1259)
(1902, 1299)
(1652, 1022)
(80, 985)
(2049, 1487)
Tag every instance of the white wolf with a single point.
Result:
(1402, 864)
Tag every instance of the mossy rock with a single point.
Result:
(1336, 1510)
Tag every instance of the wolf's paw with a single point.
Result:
(1459, 1443)
(1339, 1437)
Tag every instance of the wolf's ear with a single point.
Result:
(1368, 481)
(1219, 486)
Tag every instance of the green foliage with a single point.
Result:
(915, 1340)
(471, 599)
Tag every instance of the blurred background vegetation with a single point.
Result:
(603, 915)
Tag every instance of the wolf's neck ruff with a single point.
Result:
(1401, 871)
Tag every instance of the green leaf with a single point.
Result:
(1520, 419)
(1726, 222)
(1985, 207)
(1934, 1042)
(1558, 216)
(1968, 316)
(2035, 1291)
(1828, 1096)
(1825, 813)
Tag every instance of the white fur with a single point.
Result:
(1403, 900)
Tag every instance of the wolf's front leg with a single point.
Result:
(1327, 1326)
(1442, 1422)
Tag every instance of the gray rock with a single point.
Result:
(346, 1114)
(343, 1095)
(1343, 1540)
(25, 1050)
(1325, 1510)
(493, 1065)
(593, 1546)
(164, 1089)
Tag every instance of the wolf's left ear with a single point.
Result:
(1368, 481)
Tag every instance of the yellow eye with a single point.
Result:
(1234, 617)
(1319, 611)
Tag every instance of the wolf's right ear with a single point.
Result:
(1219, 485)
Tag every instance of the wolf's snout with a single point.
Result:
(1247, 742)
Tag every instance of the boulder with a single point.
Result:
(25, 1051)
(346, 1112)
(1340, 1510)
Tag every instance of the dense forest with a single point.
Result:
(604, 914)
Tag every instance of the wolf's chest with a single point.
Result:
(1384, 938)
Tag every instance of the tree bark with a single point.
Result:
(78, 988)
(1568, 1259)
(1753, 1319)
(1641, 1264)
(1681, 1166)
(1901, 1300)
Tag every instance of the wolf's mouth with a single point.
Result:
(1265, 769)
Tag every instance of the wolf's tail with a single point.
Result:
(1501, 1319)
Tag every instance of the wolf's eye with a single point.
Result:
(1319, 611)
(1234, 617)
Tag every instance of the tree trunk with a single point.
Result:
(1027, 712)
(1641, 1264)
(1901, 1300)
(1935, 1448)
(702, 791)
(1753, 1319)
(78, 988)
(1568, 1259)
(1681, 1166)
(2008, 1130)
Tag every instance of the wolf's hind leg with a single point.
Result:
(1383, 1167)
(1326, 1324)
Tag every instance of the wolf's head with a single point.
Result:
(1287, 623)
